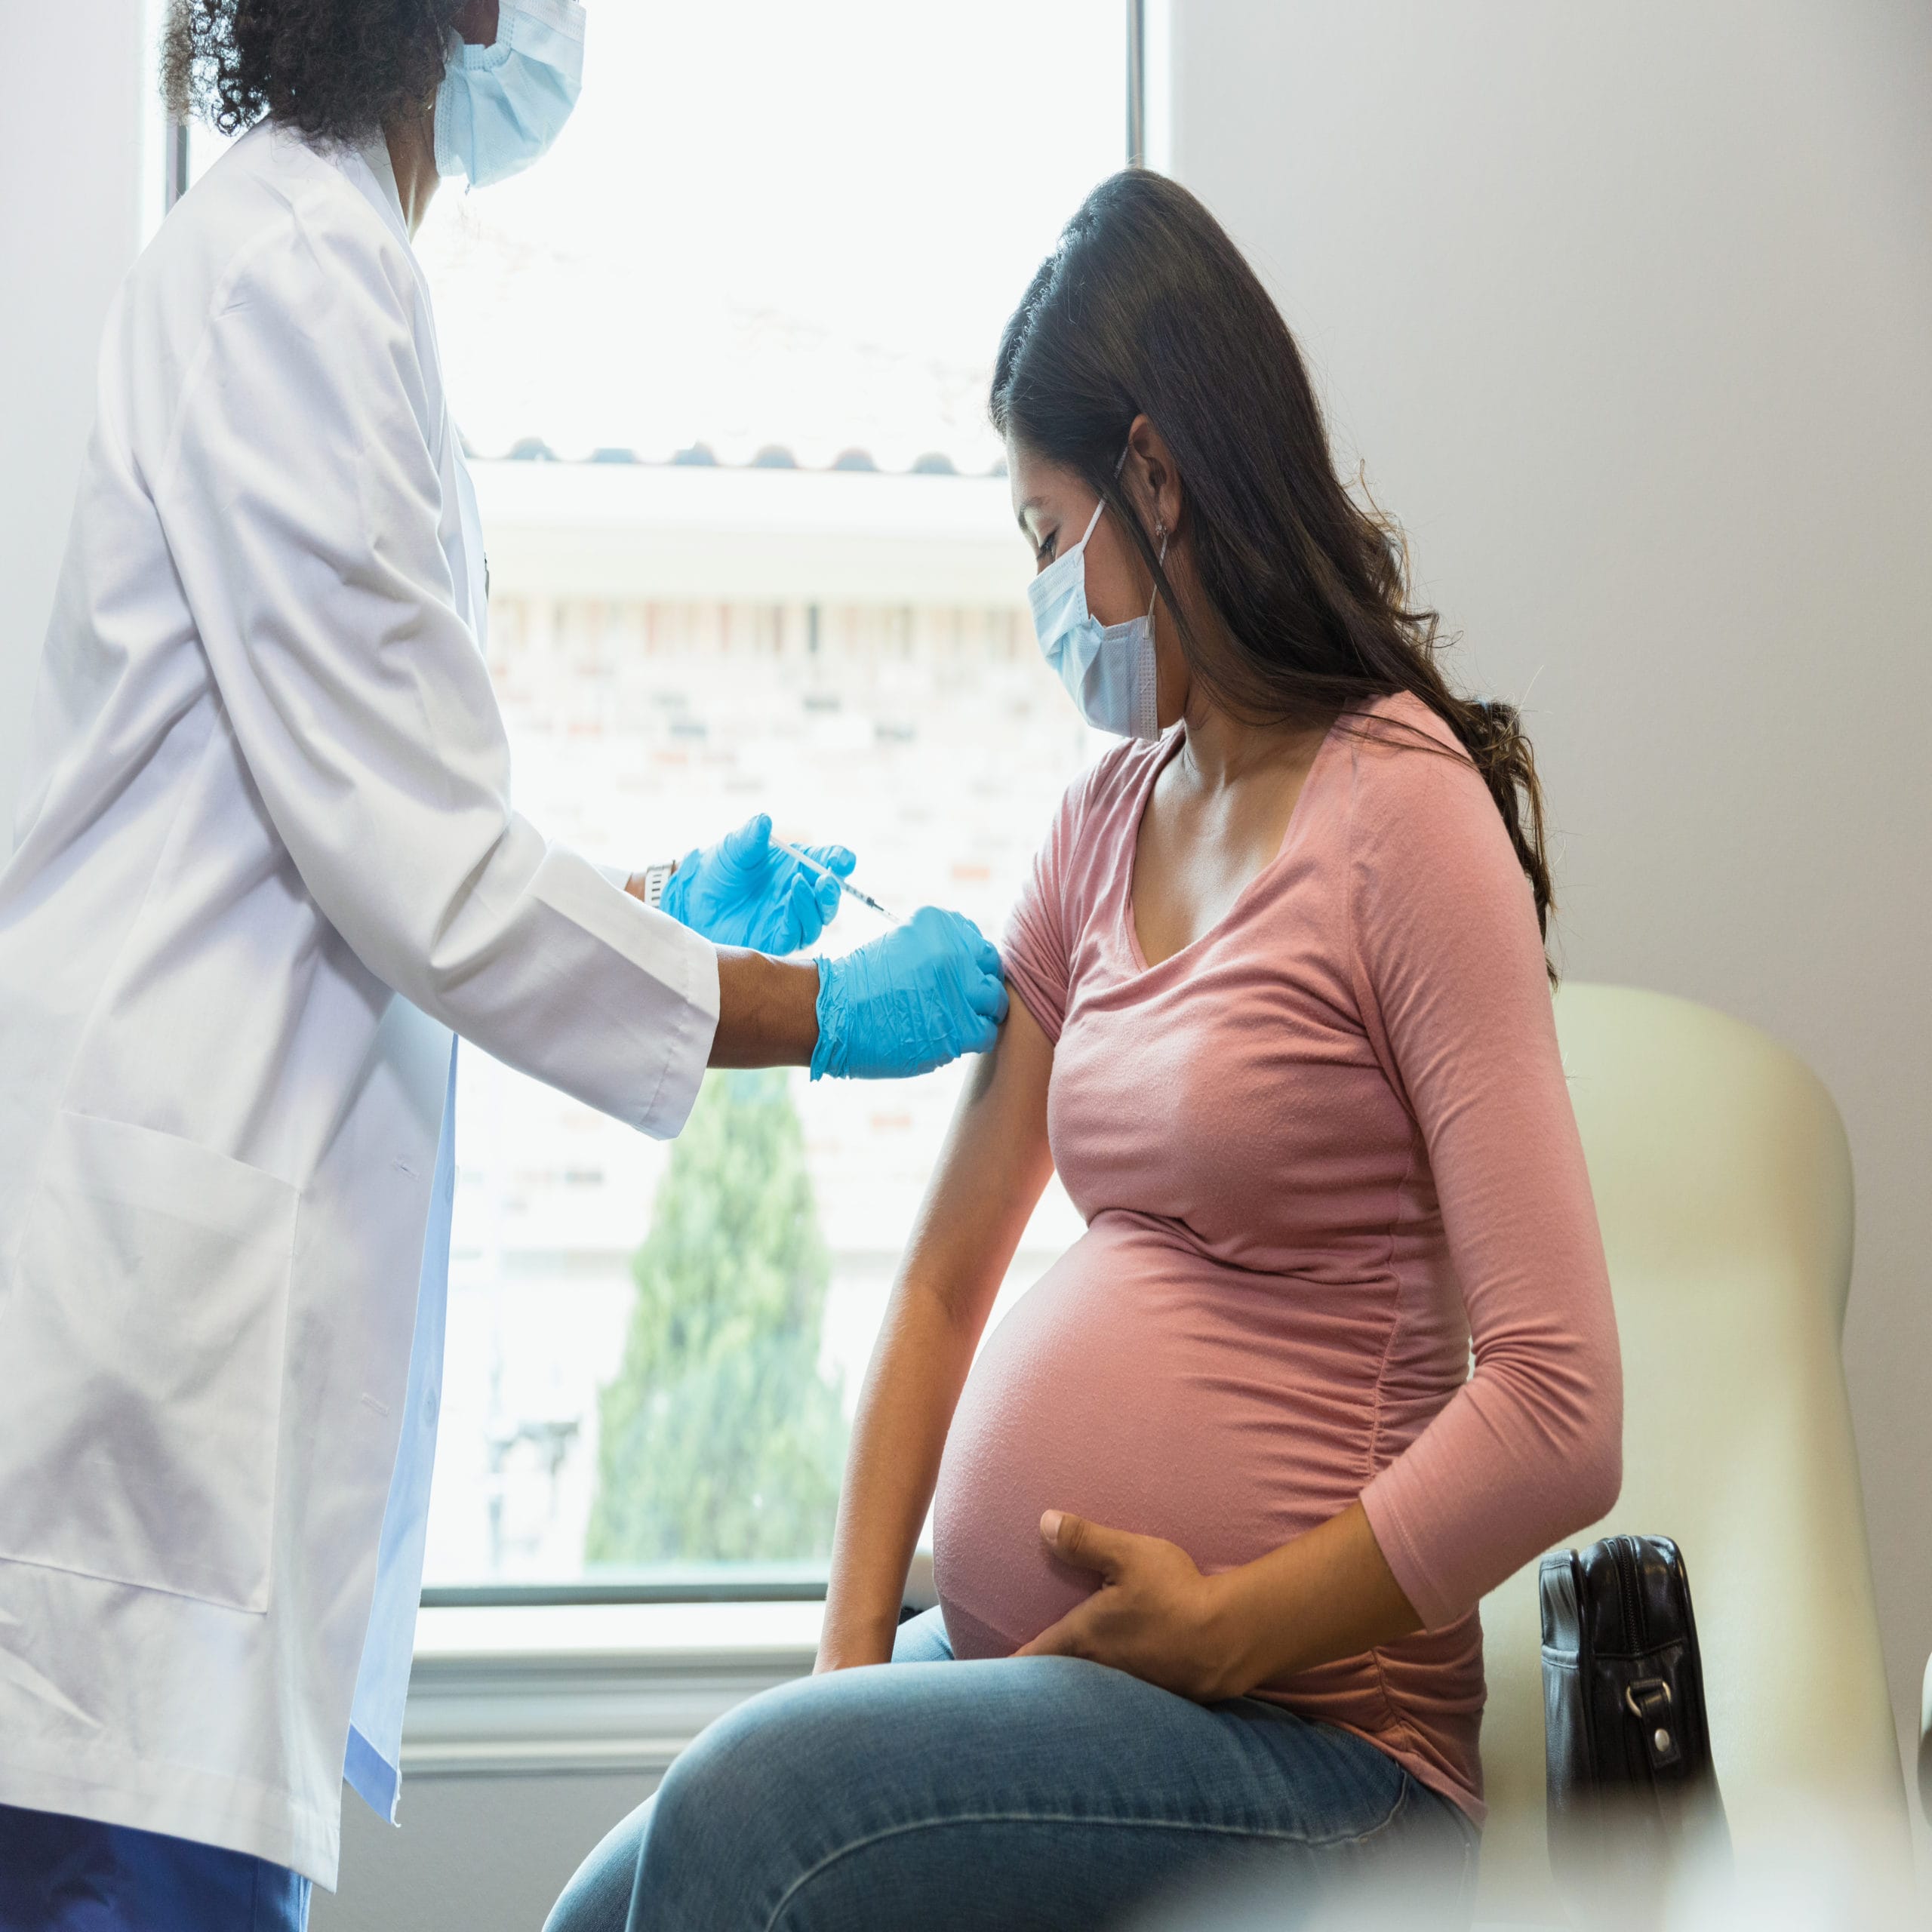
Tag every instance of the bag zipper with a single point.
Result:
(1624, 1560)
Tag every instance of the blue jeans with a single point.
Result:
(1014, 1794)
(59, 1873)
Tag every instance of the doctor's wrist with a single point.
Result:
(767, 1010)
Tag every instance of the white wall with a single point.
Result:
(70, 157)
(474, 1854)
(1628, 309)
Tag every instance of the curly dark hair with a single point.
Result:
(337, 69)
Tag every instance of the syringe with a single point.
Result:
(843, 884)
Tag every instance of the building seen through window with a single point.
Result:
(721, 362)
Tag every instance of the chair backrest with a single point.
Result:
(1723, 1184)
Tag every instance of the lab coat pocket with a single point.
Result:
(143, 1338)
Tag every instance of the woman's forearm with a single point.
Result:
(917, 1369)
(1329, 1594)
(991, 1171)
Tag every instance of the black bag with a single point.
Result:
(1630, 1785)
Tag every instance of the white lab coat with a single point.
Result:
(265, 860)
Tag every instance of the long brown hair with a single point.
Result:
(1147, 308)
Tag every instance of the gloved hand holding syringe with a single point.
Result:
(752, 890)
(909, 1001)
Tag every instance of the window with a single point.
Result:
(722, 361)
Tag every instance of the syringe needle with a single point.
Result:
(843, 884)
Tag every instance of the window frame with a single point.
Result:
(751, 1588)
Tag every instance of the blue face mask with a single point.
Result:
(1108, 669)
(500, 106)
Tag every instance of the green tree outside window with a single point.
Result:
(720, 1442)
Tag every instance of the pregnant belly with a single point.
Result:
(1140, 1385)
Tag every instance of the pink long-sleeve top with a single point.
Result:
(1321, 1152)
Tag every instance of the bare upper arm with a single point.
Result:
(990, 1175)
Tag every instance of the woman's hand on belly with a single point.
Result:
(1154, 1614)
(1327, 1594)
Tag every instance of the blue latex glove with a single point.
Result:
(927, 992)
(746, 891)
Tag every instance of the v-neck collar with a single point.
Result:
(1130, 924)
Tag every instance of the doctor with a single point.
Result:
(266, 866)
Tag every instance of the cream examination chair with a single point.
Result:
(1925, 1744)
(1723, 1183)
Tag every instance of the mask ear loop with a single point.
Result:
(1161, 531)
(1093, 524)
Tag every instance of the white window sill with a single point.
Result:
(516, 1689)
(517, 1634)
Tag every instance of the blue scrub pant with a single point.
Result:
(1016, 1795)
(59, 1873)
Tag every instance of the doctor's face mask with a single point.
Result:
(500, 106)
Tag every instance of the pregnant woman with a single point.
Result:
(1214, 1505)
